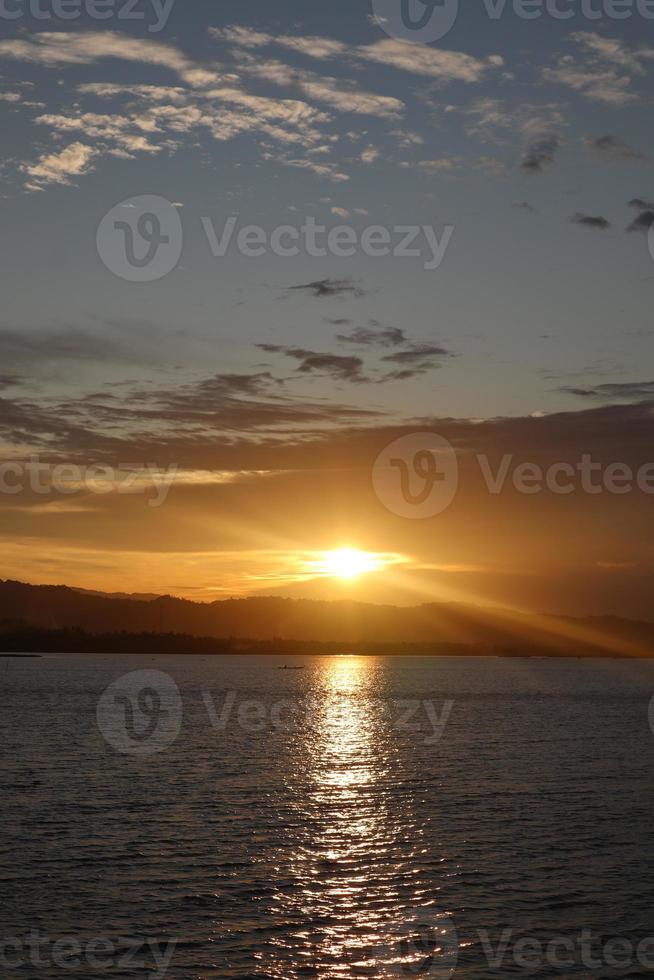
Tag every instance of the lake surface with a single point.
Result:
(360, 817)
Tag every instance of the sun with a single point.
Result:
(348, 563)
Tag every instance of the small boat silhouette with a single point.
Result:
(296, 667)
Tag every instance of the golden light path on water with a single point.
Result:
(355, 867)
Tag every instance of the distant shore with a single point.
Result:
(34, 643)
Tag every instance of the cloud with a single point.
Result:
(632, 391)
(642, 222)
(423, 60)
(416, 353)
(591, 221)
(525, 206)
(442, 165)
(336, 366)
(341, 94)
(428, 61)
(373, 336)
(329, 171)
(613, 50)
(540, 154)
(51, 48)
(59, 168)
(606, 71)
(418, 359)
(329, 287)
(187, 424)
(370, 154)
(610, 148)
(321, 48)
(645, 220)
(159, 117)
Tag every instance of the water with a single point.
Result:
(392, 817)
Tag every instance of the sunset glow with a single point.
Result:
(349, 563)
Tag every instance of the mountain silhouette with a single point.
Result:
(490, 630)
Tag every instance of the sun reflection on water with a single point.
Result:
(353, 864)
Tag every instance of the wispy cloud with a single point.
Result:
(336, 366)
(604, 71)
(540, 154)
(323, 288)
(610, 148)
(591, 221)
(61, 167)
(418, 60)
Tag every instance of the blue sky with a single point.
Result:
(528, 138)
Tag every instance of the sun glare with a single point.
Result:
(347, 563)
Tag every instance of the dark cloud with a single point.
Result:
(10, 381)
(591, 221)
(641, 204)
(611, 148)
(525, 206)
(374, 336)
(540, 154)
(417, 353)
(418, 359)
(342, 321)
(329, 287)
(643, 222)
(632, 391)
(186, 424)
(336, 366)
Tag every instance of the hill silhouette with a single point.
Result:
(25, 607)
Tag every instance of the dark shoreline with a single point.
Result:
(35, 643)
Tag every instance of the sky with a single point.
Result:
(510, 157)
